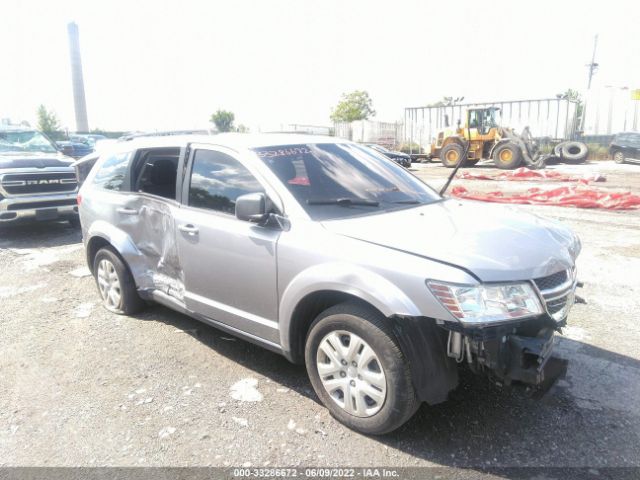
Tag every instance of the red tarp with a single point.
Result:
(574, 196)
(525, 174)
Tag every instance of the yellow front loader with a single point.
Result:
(480, 137)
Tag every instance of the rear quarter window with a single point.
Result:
(112, 173)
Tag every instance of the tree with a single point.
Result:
(223, 120)
(354, 106)
(446, 102)
(573, 95)
(242, 129)
(47, 120)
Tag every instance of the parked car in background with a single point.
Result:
(37, 181)
(323, 251)
(625, 147)
(77, 147)
(398, 157)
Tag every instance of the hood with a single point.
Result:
(494, 242)
(400, 154)
(33, 160)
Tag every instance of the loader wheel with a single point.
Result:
(451, 154)
(507, 156)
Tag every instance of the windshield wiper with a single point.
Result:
(344, 202)
(408, 202)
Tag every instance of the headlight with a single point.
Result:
(487, 303)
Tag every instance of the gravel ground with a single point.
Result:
(80, 386)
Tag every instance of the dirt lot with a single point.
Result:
(81, 386)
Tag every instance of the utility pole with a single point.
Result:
(593, 66)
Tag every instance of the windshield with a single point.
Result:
(334, 180)
(25, 141)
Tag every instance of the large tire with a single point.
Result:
(507, 156)
(618, 156)
(574, 152)
(451, 154)
(347, 379)
(115, 283)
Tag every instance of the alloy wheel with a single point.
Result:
(109, 284)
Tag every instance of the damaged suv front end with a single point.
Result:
(507, 330)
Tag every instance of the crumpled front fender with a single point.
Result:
(345, 278)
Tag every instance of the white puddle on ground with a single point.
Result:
(245, 390)
(8, 292)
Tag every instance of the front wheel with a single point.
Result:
(358, 371)
(507, 156)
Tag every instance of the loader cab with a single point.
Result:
(481, 120)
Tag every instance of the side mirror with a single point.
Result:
(67, 150)
(252, 207)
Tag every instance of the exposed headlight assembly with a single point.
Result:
(478, 304)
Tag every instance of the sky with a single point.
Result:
(170, 64)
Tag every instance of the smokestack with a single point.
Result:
(82, 124)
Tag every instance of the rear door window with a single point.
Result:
(113, 172)
(217, 180)
(156, 172)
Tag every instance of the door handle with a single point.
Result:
(190, 229)
(127, 211)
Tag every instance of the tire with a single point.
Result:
(115, 283)
(507, 156)
(574, 152)
(451, 154)
(393, 399)
(557, 150)
(618, 156)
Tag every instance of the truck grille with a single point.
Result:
(38, 183)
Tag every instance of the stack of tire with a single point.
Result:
(571, 152)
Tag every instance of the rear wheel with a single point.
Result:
(507, 156)
(358, 371)
(451, 154)
(618, 156)
(115, 283)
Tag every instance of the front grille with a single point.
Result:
(32, 205)
(551, 281)
(558, 293)
(38, 183)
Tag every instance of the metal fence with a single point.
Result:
(369, 131)
(547, 118)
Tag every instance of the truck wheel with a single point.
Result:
(507, 156)
(574, 152)
(115, 283)
(358, 371)
(451, 154)
(618, 156)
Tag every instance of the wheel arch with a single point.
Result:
(103, 234)
(497, 144)
(321, 287)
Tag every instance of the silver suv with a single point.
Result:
(327, 253)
